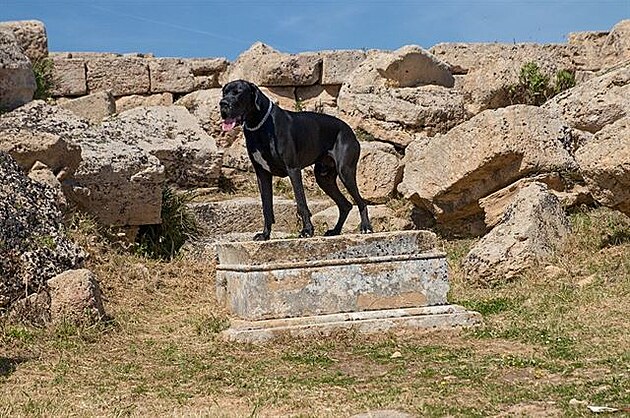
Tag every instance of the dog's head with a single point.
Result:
(240, 100)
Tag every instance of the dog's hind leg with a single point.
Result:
(326, 177)
(346, 158)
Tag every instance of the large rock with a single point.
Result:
(31, 36)
(602, 49)
(94, 107)
(135, 100)
(492, 70)
(595, 103)
(28, 145)
(392, 96)
(117, 182)
(605, 164)
(206, 71)
(338, 65)
(398, 115)
(17, 81)
(75, 297)
(189, 155)
(448, 174)
(204, 105)
(531, 228)
(33, 243)
(266, 66)
(378, 172)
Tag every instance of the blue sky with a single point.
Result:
(196, 28)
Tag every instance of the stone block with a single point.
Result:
(318, 276)
(122, 75)
(338, 65)
(170, 75)
(69, 77)
(245, 215)
(93, 107)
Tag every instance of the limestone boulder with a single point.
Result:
(448, 174)
(602, 49)
(75, 297)
(492, 70)
(338, 65)
(605, 164)
(17, 81)
(94, 107)
(34, 246)
(398, 115)
(318, 98)
(392, 96)
(532, 227)
(266, 66)
(207, 71)
(31, 37)
(170, 133)
(204, 105)
(570, 195)
(409, 66)
(116, 181)
(595, 103)
(378, 172)
(135, 100)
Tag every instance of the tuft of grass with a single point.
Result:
(178, 225)
(43, 70)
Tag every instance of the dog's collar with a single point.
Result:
(264, 119)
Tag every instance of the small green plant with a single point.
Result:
(299, 105)
(535, 87)
(163, 241)
(565, 80)
(43, 70)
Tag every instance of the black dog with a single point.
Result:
(282, 143)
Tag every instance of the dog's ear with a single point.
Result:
(258, 96)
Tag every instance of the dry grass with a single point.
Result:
(557, 334)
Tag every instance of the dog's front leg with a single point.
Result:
(266, 194)
(295, 174)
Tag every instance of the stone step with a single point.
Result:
(368, 322)
(244, 214)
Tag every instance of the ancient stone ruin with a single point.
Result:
(449, 143)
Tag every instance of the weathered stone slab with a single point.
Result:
(68, 77)
(121, 75)
(368, 322)
(172, 75)
(244, 215)
(318, 276)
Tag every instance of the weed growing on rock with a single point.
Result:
(535, 87)
(43, 70)
(164, 240)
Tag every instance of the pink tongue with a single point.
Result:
(228, 124)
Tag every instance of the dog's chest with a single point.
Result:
(263, 153)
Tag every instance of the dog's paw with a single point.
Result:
(331, 233)
(261, 237)
(367, 230)
(306, 233)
